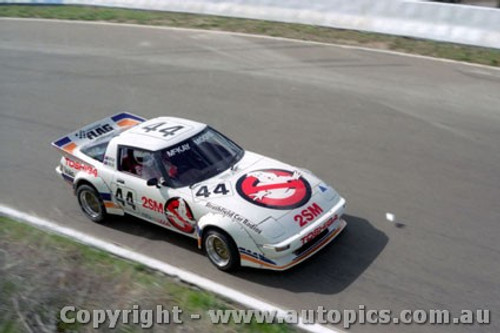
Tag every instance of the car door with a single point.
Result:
(156, 203)
(129, 184)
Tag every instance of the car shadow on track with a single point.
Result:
(332, 269)
(340, 263)
(135, 226)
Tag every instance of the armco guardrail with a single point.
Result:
(430, 20)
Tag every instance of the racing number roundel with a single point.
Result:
(179, 214)
(274, 188)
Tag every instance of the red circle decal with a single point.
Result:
(274, 188)
(179, 214)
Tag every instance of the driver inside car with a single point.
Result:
(143, 164)
(169, 166)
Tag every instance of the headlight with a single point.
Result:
(276, 248)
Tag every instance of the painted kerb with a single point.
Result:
(189, 277)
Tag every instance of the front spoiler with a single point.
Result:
(291, 260)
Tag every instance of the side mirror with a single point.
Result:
(152, 182)
(156, 182)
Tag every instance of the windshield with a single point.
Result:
(198, 158)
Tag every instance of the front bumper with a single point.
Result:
(301, 246)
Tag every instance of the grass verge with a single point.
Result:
(458, 52)
(41, 272)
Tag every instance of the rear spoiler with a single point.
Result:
(89, 133)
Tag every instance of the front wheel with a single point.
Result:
(91, 203)
(221, 251)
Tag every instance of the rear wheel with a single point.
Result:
(221, 251)
(91, 203)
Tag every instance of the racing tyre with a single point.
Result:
(221, 250)
(91, 203)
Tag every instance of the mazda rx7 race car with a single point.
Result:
(243, 208)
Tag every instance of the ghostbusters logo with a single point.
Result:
(274, 188)
(179, 214)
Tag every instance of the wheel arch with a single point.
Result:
(233, 229)
(101, 188)
(83, 181)
(209, 227)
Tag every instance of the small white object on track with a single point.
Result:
(390, 217)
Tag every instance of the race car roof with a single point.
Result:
(159, 133)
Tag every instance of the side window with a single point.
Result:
(97, 151)
(138, 162)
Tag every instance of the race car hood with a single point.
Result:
(271, 199)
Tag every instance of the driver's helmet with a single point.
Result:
(144, 158)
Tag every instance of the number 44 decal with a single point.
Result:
(165, 130)
(129, 198)
(212, 191)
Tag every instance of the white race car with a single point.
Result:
(244, 209)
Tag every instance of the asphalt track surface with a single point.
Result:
(415, 137)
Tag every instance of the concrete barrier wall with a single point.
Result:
(422, 19)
